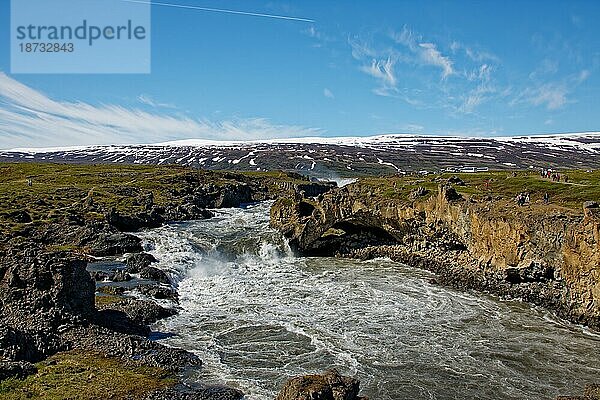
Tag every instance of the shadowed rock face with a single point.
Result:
(328, 386)
(41, 294)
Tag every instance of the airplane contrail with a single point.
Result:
(252, 14)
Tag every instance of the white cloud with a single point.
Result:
(425, 53)
(432, 56)
(481, 93)
(380, 62)
(552, 95)
(29, 118)
(328, 93)
(383, 70)
(476, 55)
(149, 101)
(583, 75)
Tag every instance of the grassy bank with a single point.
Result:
(86, 375)
(49, 192)
(500, 185)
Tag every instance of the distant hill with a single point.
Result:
(343, 157)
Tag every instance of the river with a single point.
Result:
(257, 316)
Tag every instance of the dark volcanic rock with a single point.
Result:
(116, 244)
(141, 312)
(132, 223)
(455, 180)
(187, 212)
(329, 386)
(155, 274)
(138, 261)
(41, 294)
(158, 292)
(131, 347)
(204, 393)
(16, 369)
(20, 216)
(449, 193)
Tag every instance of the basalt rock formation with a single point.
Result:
(550, 258)
(42, 294)
(328, 386)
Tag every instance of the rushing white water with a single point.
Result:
(256, 315)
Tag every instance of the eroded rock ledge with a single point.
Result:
(549, 258)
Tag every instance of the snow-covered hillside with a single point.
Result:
(344, 156)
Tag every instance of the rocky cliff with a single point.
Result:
(547, 255)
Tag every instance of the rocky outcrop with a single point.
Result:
(140, 312)
(550, 258)
(41, 294)
(115, 244)
(328, 386)
(138, 261)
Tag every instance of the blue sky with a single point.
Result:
(362, 68)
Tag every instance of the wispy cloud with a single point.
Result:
(426, 53)
(552, 95)
(383, 71)
(483, 91)
(28, 118)
(381, 59)
(432, 56)
(472, 53)
(328, 93)
(149, 101)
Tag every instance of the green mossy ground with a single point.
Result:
(582, 186)
(57, 188)
(86, 375)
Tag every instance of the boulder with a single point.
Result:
(115, 244)
(449, 193)
(328, 386)
(455, 180)
(590, 204)
(155, 274)
(187, 212)
(141, 312)
(16, 369)
(133, 222)
(158, 292)
(138, 261)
